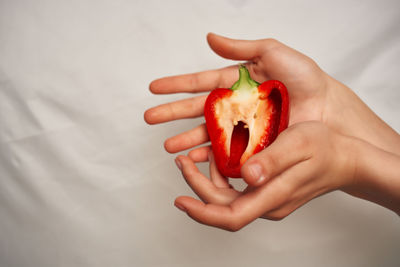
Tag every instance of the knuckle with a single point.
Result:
(217, 196)
(277, 215)
(186, 139)
(272, 41)
(308, 135)
(234, 226)
(303, 141)
(302, 138)
(269, 163)
(194, 81)
(235, 222)
(170, 108)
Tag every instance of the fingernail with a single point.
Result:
(260, 180)
(178, 163)
(256, 173)
(179, 206)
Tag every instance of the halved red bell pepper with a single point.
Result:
(244, 119)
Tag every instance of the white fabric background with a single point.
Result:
(85, 182)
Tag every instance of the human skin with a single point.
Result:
(314, 95)
(337, 114)
(306, 160)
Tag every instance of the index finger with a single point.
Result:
(195, 82)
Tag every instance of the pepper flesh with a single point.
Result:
(245, 119)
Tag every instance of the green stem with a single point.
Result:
(245, 82)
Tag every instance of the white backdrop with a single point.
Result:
(85, 182)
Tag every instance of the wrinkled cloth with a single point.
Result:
(85, 182)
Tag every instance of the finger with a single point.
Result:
(199, 154)
(307, 183)
(290, 148)
(195, 82)
(243, 210)
(209, 214)
(274, 200)
(217, 178)
(302, 187)
(182, 109)
(188, 139)
(289, 207)
(239, 49)
(201, 185)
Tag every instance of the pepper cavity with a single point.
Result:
(243, 120)
(242, 106)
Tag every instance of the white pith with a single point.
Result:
(245, 106)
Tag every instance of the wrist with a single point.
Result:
(375, 175)
(348, 153)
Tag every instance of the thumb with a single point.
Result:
(285, 152)
(238, 49)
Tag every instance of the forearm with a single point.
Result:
(376, 176)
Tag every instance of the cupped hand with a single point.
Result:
(314, 95)
(266, 59)
(305, 161)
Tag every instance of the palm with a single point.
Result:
(303, 78)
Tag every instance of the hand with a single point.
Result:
(350, 128)
(314, 95)
(305, 161)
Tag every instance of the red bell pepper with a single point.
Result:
(244, 119)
